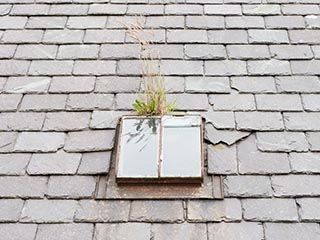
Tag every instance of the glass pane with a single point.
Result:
(139, 148)
(181, 147)
(182, 121)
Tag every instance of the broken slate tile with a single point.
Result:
(220, 119)
(222, 159)
(228, 137)
(253, 161)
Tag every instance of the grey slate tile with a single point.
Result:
(247, 186)
(121, 231)
(203, 51)
(179, 231)
(45, 102)
(39, 142)
(262, 9)
(222, 9)
(222, 159)
(102, 211)
(112, 9)
(260, 121)
(309, 209)
(296, 185)
(156, 211)
(296, 84)
(305, 162)
(232, 101)
(311, 102)
(12, 231)
(54, 163)
(29, 10)
(13, 67)
(282, 142)
(228, 210)
(235, 231)
(304, 122)
(273, 210)
(95, 163)
(67, 231)
(28, 84)
(46, 23)
(66, 121)
(314, 140)
(7, 51)
(47, 67)
(87, 141)
(89, 101)
(63, 36)
(261, 84)
(72, 187)
(253, 161)
(106, 119)
(9, 101)
(10, 210)
(207, 85)
(12, 121)
(7, 141)
(279, 231)
(14, 164)
(48, 211)
(22, 187)
(116, 84)
(278, 102)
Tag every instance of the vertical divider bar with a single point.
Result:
(160, 148)
(202, 147)
(118, 144)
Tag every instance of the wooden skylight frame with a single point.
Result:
(184, 173)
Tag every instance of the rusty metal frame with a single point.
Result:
(159, 179)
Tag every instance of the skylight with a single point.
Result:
(160, 149)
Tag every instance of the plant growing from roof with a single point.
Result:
(152, 100)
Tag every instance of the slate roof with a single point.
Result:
(68, 70)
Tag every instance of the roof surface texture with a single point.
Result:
(68, 71)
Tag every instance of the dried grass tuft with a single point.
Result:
(152, 100)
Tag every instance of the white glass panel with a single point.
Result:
(182, 121)
(139, 148)
(181, 147)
